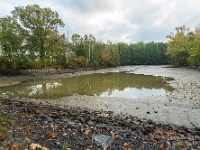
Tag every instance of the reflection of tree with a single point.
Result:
(94, 84)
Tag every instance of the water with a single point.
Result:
(126, 85)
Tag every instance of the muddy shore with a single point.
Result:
(180, 107)
(84, 122)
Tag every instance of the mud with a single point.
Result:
(180, 107)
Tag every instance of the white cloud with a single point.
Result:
(119, 20)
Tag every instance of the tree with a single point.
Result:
(194, 58)
(178, 47)
(11, 41)
(124, 53)
(41, 28)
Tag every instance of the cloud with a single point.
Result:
(119, 20)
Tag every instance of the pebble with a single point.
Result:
(65, 129)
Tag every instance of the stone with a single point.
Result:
(103, 140)
(70, 125)
(90, 123)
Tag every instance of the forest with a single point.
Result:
(30, 38)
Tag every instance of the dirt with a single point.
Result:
(180, 107)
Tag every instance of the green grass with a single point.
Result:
(66, 145)
(5, 123)
(180, 144)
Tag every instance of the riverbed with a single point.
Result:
(180, 107)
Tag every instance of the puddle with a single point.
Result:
(126, 85)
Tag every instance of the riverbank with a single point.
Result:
(180, 107)
(169, 121)
(12, 78)
(51, 127)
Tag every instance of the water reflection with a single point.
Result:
(105, 85)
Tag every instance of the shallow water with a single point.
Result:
(126, 85)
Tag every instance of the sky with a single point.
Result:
(128, 21)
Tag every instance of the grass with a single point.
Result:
(5, 123)
(180, 144)
(66, 145)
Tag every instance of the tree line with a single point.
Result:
(30, 38)
(184, 46)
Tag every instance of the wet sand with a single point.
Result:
(180, 107)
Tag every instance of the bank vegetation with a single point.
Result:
(30, 39)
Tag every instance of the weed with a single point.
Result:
(5, 123)
(180, 144)
(66, 145)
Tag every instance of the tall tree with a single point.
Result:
(11, 41)
(178, 47)
(194, 58)
(39, 24)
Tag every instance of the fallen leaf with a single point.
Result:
(113, 135)
(87, 131)
(28, 140)
(33, 146)
(54, 135)
(44, 148)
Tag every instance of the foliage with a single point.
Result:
(31, 35)
(5, 124)
(11, 41)
(66, 145)
(30, 38)
(81, 61)
(194, 58)
(184, 46)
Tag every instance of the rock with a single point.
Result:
(93, 118)
(7, 142)
(20, 140)
(42, 116)
(82, 119)
(136, 122)
(70, 125)
(90, 123)
(103, 140)
(101, 125)
(121, 132)
(149, 121)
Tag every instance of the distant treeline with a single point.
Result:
(30, 38)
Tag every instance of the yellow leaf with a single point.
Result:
(44, 148)
(33, 146)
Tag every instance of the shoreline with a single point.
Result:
(51, 127)
(180, 107)
(86, 122)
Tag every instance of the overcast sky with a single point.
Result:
(128, 21)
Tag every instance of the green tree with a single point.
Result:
(178, 46)
(11, 41)
(41, 26)
(123, 53)
(194, 58)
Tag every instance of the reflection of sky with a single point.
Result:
(133, 93)
(38, 88)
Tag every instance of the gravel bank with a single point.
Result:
(180, 107)
(83, 122)
(48, 127)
